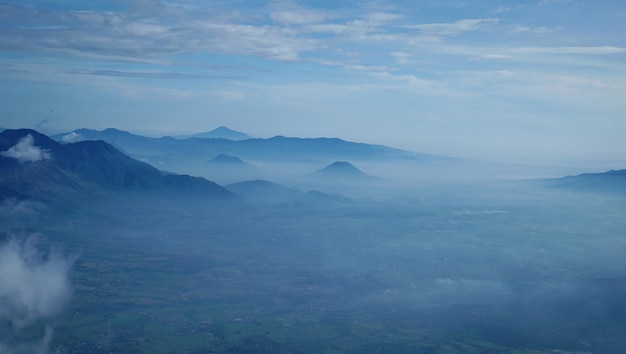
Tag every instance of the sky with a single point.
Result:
(521, 81)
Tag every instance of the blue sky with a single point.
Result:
(540, 80)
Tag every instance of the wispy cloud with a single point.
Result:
(597, 50)
(401, 57)
(26, 151)
(537, 30)
(157, 75)
(552, 2)
(492, 57)
(72, 137)
(454, 28)
(161, 31)
(290, 13)
(351, 65)
(33, 287)
(285, 33)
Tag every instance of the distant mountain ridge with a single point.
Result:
(342, 169)
(278, 148)
(86, 166)
(262, 191)
(613, 181)
(220, 133)
(223, 159)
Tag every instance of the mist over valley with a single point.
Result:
(317, 246)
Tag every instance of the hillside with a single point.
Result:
(38, 167)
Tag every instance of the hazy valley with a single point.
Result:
(290, 245)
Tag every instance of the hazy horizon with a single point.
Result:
(584, 165)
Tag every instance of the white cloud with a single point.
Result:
(502, 9)
(454, 28)
(373, 68)
(159, 32)
(146, 29)
(537, 30)
(289, 13)
(382, 17)
(71, 137)
(264, 41)
(33, 287)
(598, 50)
(492, 57)
(284, 32)
(355, 66)
(26, 151)
(550, 2)
(401, 57)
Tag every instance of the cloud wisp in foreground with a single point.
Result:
(34, 286)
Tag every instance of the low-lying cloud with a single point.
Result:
(26, 151)
(72, 137)
(34, 286)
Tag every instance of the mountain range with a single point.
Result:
(35, 166)
(278, 148)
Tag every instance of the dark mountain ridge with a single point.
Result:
(87, 166)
